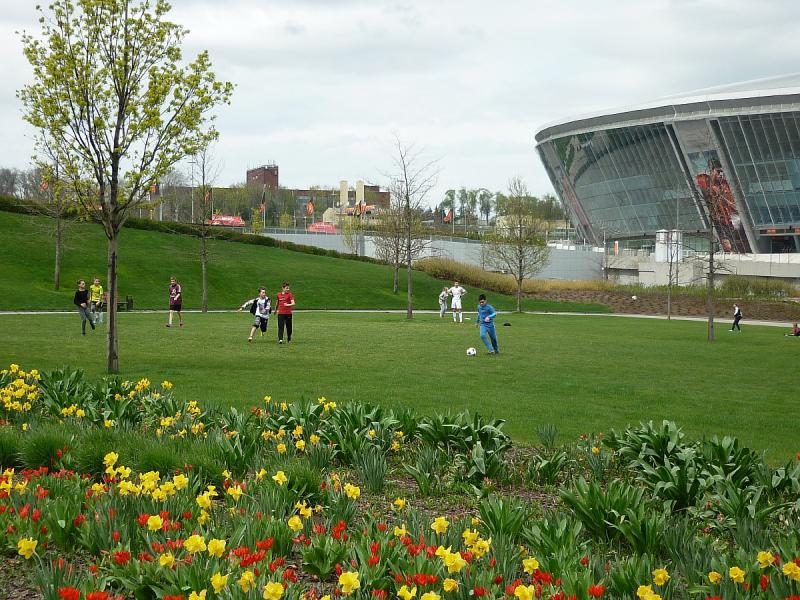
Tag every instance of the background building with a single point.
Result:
(727, 156)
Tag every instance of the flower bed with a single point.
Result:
(118, 489)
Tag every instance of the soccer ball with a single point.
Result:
(471, 352)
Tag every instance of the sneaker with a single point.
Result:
(167, 325)
(280, 341)
(181, 324)
(249, 339)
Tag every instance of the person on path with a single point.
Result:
(486, 315)
(175, 300)
(795, 331)
(96, 300)
(737, 316)
(260, 308)
(443, 301)
(285, 302)
(81, 300)
(456, 292)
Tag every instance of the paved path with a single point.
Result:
(719, 321)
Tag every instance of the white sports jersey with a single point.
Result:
(457, 291)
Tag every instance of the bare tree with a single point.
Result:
(390, 233)
(207, 169)
(518, 244)
(409, 186)
(9, 179)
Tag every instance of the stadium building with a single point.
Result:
(727, 156)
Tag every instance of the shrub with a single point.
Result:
(10, 446)
(737, 286)
(450, 270)
(45, 447)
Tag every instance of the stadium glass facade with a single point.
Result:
(727, 157)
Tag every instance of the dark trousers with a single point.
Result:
(86, 315)
(285, 321)
(736, 323)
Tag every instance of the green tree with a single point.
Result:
(517, 245)
(118, 106)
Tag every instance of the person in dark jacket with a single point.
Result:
(737, 316)
(81, 300)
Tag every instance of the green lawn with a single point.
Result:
(584, 374)
(147, 259)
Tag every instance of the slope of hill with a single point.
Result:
(147, 259)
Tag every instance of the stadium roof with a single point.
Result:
(772, 94)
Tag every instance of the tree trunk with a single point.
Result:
(409, 284)
(204, 269)
(57, 269)
(710, 305)
(519, 295)
(396, 282)
(111, 349)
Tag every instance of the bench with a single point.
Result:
(122, 305)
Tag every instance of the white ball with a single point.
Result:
(471, 352)
(634, 298)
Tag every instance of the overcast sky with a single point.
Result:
(323, 85)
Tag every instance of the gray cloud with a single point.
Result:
(322, 84)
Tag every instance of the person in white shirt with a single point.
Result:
(456, 292)
(260, 308)
(443, 301)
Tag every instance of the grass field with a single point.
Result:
(147, 259)
(583, 374)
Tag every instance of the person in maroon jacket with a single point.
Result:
(285, 302)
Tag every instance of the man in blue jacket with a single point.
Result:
(486, 315)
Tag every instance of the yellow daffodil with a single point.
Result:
(440, 525)
(273, 591)
(247, 581)
(198, 595)
(400, 531)
(525, 592)
(166, 560)
(219, 582)
(349, 582)
(295, 524)
(280, 478)
(155, 523)
(399, 503)
(791, 570)
(736, 574)
(765, 559)
(470, 536)
(26, 547)
(660, 576)
(235, 492)
(430, 596)
(714, 577)
(352, 491)
(404, 593)
(216, 547)
(281, 448)
(450, 585)
(644, 591)
(194, 544)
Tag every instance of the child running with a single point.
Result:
(260, 308)
(486, 315)
(81, 300)
(96, 300)
(175, 300)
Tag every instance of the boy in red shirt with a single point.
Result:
(285, 304)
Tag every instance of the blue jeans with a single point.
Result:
(487, 333)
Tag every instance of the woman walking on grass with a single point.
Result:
(81, 300)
